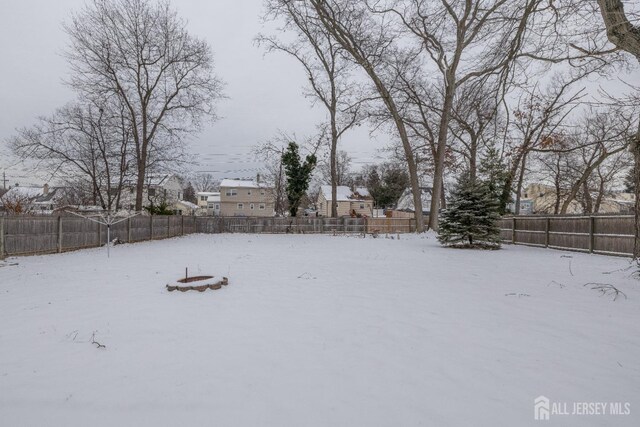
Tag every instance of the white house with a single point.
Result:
(157, 189)
(183, 207)
(203, 198)
(405, 207)
(213, 204)
(41, 200)
(358, 201)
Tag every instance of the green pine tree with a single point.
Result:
(493, 172)
(471, 218)
(298, 175)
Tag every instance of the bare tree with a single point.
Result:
(141, 52)
(337, 171)
(370, 44)
(204, 182)
(626, 36)
(328, 72)
(602, 135)
(83, 143)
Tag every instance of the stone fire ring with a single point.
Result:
(198, 283)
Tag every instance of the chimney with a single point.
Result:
(258, 177)
(45, 189)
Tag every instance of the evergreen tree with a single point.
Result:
(189, 194)
(471, 218)
(493, 172)
(298, 175)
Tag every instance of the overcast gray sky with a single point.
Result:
(265, 93)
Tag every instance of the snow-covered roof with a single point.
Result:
(239, 183)
(405, 203)
(24, 192)
(362, 191)
(207, 193)
(188, 204)
(344, 193)
(214, 198)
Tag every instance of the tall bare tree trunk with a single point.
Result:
(334, 167)
(438, 179)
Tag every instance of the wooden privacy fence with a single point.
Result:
(609, 235)
(306, 225)
(31, 235)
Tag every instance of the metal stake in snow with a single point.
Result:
(107, 220)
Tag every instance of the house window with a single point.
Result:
(240, 206)
(231, 192)
(249, 192)
(262, 192)
(217, 206)
(251, 206)
(261, 206)
(204, 198)
(361, 205)
(152, 192)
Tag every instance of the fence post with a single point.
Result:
(592, 221)
(129, 230)
(168, 225)
(182, 224)
(150, 227)
(513, 231)
(59, 234)
(547, 228)
(99, 234)
(1, 237)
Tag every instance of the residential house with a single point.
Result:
(203, 198)
(38, 200)
(405, 208)
(246, 198)
(542, 199)
(183, 207)
(358, 201)
(157, 189)
(213, 205)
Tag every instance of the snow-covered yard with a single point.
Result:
(315, 330)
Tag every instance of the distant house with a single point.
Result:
(40, 200)
(203, 198)
(358, 201)
(543, 199)
(405, 208)
(246, 198)
(213, 205)
(157, 189)
(183, 207)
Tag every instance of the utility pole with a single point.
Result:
(4, 180)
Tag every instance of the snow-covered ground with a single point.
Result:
(315, 331)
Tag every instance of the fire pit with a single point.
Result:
(198, 283)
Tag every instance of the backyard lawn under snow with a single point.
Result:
(315, 330)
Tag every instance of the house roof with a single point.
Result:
(344, 193)
(239, 183)
(405, 203)
(188, 204)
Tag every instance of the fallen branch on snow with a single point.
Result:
(606, 289)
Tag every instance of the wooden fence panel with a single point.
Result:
(612, 235)
(30, 235)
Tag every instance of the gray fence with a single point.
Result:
(31, 235)
(609, 235)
